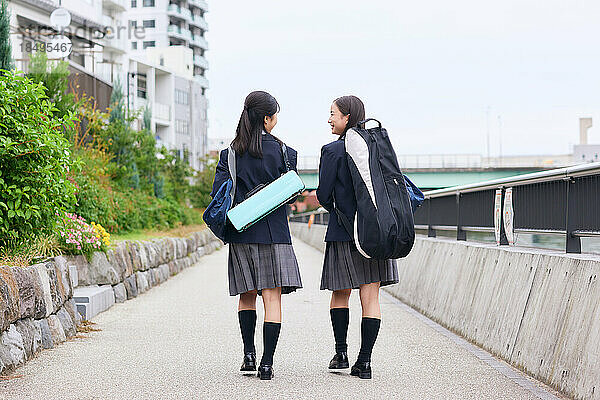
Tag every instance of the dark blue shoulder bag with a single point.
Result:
(215, 215)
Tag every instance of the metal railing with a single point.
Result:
(563, 201)
(321, 217)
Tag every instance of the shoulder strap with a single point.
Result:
(342, 219)
(286, 161)
(232, 172)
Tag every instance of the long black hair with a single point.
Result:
(353, 106)
(248, 135)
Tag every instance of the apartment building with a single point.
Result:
(167, 76)
(169, 67)
(177, 103)
(172, 23)
(97, 58)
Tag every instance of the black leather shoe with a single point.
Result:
(339, 361)
(361, 369)
(249, 363)
(265, 372)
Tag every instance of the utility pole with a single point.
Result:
(487, 117)
(500, 135)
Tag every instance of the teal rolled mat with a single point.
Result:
(265, 201)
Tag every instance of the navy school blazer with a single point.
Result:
(251, 172)
(335, 181)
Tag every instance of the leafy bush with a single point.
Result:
(54, 76)
(203, 183)
(34, 160)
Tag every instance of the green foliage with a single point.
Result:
(102, 200)
(177, 174)
(147, 119)
(34, 160)
(6, 62)
(117, 102)
(54, 76)
(134, 162)
(203, 183)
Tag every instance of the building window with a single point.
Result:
(133, 3)
(133, 24)
(150, 43)
(134, 46)
(149, 3)
(149, 23)
(142, 87)
(182, 127)
(182, 97)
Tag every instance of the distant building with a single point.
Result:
(171, 63)
(169, 23)
(177, 104)
(585, 152)
(155, 48)
(99, 55)
(215, 145)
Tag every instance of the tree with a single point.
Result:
(117, 102)
(55, 77)
(6, 62)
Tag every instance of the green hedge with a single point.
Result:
(34, 160)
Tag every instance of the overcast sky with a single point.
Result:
(428, 70)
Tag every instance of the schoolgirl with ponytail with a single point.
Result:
(261, 259)
(344, 268)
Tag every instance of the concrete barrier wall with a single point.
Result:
(537, 309)
(41, 305)
(314, 236)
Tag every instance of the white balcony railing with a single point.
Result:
(162, 112)
(200, 42)
(180, 33)
(200, 61)
(199, 21)
(119, 5)
(177, 11)
(202, 81)
(200, 3)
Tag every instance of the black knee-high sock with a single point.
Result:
(340, 317)
(247, 326)
(270, 336)
(369, 329)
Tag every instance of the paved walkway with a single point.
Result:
(181, 341)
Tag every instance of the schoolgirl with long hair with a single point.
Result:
(261, 259)
(344, 268)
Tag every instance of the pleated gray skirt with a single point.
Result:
(262, 266)
(345, 268)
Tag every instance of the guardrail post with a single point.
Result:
(573, 244)
(460, 233)
(430, 231)
(503, 238)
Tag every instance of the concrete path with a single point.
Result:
(181, 341)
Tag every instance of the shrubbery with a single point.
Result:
(64, 163)
(34, 160)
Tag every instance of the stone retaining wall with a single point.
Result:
(537, 309)
(38, 308)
